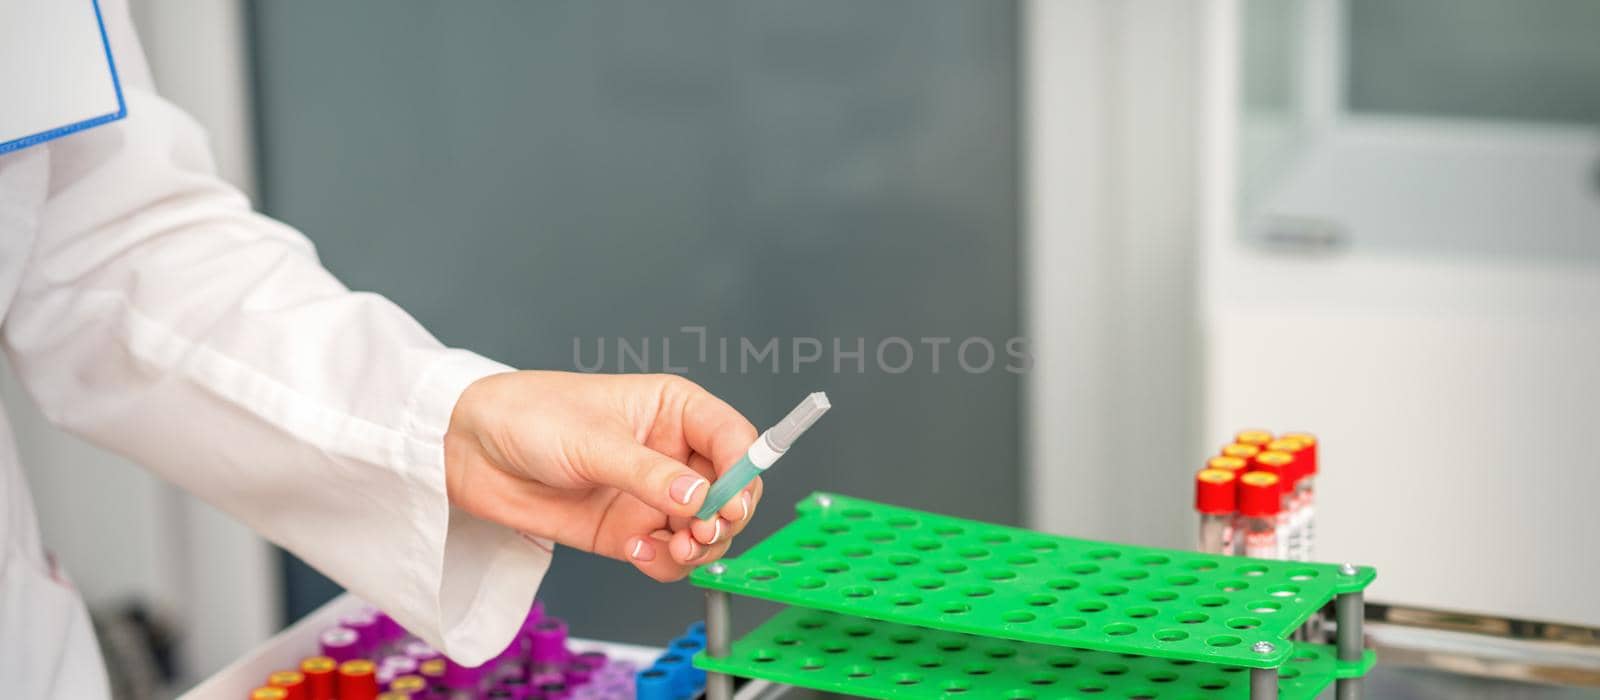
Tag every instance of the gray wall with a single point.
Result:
(522, 174)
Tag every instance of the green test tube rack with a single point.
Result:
(891, 602)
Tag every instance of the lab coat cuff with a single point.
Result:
(482, 575)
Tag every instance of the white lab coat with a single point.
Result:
(147, 309)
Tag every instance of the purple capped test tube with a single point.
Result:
(549, 641)
(389, 630)
(365, 623)
(340, 644)
(394, 666)
(463, 677)
(546, 677)
(420, 650)
(556, 691)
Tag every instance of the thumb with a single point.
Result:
(659, 481)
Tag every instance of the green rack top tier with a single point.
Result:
(874, 659)
(866, 559)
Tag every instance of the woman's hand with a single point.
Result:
(612, 464)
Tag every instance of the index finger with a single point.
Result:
(713, 428)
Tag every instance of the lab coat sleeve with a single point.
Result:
(161, 318)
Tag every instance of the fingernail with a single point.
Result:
(641, 550)
(744, 500)
(683, 488)
(716, 530)
(693, 551)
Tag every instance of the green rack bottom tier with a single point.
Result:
(857, 557)
(875, 659)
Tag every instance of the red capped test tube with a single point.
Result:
(1244, 452)
(321, 675)
(358, 680)
(1293, 504)
(1215, 497)
(292, 682)
(1259, 506)
(1281, 465)
(268, 692)
(1306, 493)
(1228, 464)
(1259, 438)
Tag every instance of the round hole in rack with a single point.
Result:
(1232, 669)
(905, 637)
(907, 679)
(1070, 623)
(834, 528)
(1251, 570)
(1091, 687)
(1118, 629)
(785, 558)
(858, 631)
(950, 567)
(904, 560)
(1090, 606)
(763, 656)
(1160, 595)
(879, 536)
(1288, 672)
(1303, 654)
(857, 513)
(810, 583)
(1084, 569)
(812, 663)
(1211, 601)
(926, 545)
(1287, 590)
(929, 662)
(999, 574)
(786, 640)
(1171, 635)
(810, 543)
(1042, 679)
(1223, 640)
(1214, 683)
(1182, 580)
(1302, 574)
(762, 574)
(1232, 586)
(1140, 613)
(1063, 662)
(1019, 695)
(1022, 559)
(857, 592)
(1133, 574)
(1180, 662)
(1192, 617)
(857, 552)
(973, 552)
(996, 538)
(1111, 669)
(977, 591)
(902, 521)
(956, 687)
(833, 566)
(1041, 600)
(1061, 584)
(1042, 546)
(947, 530)
(1264, 607)
(978, 669)
(1153, 559)
(953, 608)
(811, 623)
(1104, 554)
(1203, 565)
(906, 600)
(881, 575)
(859, 671)
(1000, 652)
(1111, 590)
(1018, 617)
(1161, 677)
(833, 647)
(1243, 623)
(952, 645)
